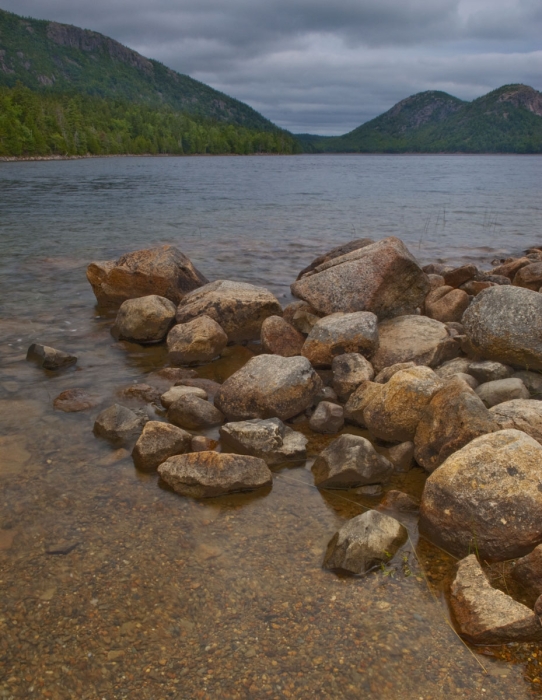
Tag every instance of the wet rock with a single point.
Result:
(417, 339)
(199, 340)
(341, 333)
(493, 393)
(171, 374)
(336, 253)
(383, 278)
(144, 320)
(365, 542)
(209, 474)
(402, 456)
(393, 414)
(509, 269)
(358, 402)
(177, 392)
(384, 376)
(348, 462)
(269, 386)
(200, 443)
(49, 358)
(533, 382)
(487, 497)
(158, 442)
(454, 417)
(278, 337)
(528, 571)
(521, 414)
(239, 308)
(505, 324)
(139, 392)
(61, 547)
(192, 413)
(446, 304)
(327, 418)
(460, 275)
(349, 370)
(73, 400)
(459, 365)
(118, 424)
(487, 371)
(301, 316)
(529, 276)
(399, 501)
(114, 457)
(208, 385)
(486, 615)
(164, 271)
(268, 439)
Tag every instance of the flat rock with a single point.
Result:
(164, 271)
(268, 439)
(349, 370)
(118, 424)
(348, 462)
(158, 442)
(528, 571)
(278, 337)
(529, 276)
(521, 414)
(177, 392)
(209, 474)
(269, 386)
(49, 358)
(336, 253)
(365, 542)
(199, 340)
(73, 400)
(327, 418)
(501, 390)
(485, 615)
(383, 278)
(341, 333)
(487, 497)
(144, 320)
(192, 413)
(139, 392)
(239, 308)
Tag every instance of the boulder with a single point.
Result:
(177, 392)
(501, 390)
(485, 615)
(521, 414)
(487, 371)
(144, 320)
(348, 462)
(454, 416)
(505, 324)
(239, 308)
(446, 304)
(49, 358)
(486, 497)
(364, 542)
(528, 571)
(268, 439)
(460, 275)
(459, 365)
(533, 382)
(158, 442)
(269, 386)
(336, 253)
(384, 376)
(340, 333)
(192, 413)
(383, 278)
(402, 456)
(509, 269)
(199, 340)
(118, 424)
(209, 474)
(327, 418)
(417, 339)
(360, 399)
(393, 414)
(301, 316)
(349, 370)
(278, 337)
(73, 400)
(164, 271)
(529, 276)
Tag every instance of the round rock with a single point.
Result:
(348, 462)
(200, 340)
(158, 442)
(144, 320)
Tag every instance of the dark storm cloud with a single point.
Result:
(313, 65)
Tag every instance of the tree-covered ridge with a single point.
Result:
(38, 124)
(52, 57)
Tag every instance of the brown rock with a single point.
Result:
(301, 316)
(327, 418)
(521, 414)
(193, 413)
(49, 358)
(460, 275)
(528, 571)
(268, 439)
(529, 277)
(199, 340)
(446, 304)
(280, 338)
(208, 385)
(384, 376)
(509, 269)
(73, 400)
(399, 501)
(200, 443)
(358, 402)
(435, 281)
(336, 253)
(474, 287)
(459, 365)
(118, 424)
(144, 320)
(402, 456)
(341, 333)
(177, 392)
(158, 442)
(139, 392)
(349, 370)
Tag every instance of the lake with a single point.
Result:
(150, 595)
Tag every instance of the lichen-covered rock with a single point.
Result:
(349, 370)
(446, 304)
(460, 275)
(488, 371)
(486, 615)
(164, 271)
(528, 571)
(192, 413)
(336, 253)
(383, 278)
(158, 442)
(341, 333)
(501, 390)
(177, 392)
(278, 337)
(327, 418)
(521, 414)
(269, 386)
(209, 474)
(417, 339)
(118, 424)
(487, 497)
(348, 462)
(239, 308)
(144, 320)
(268, 439)
(49, 358)
(199, 340)
(365, 542)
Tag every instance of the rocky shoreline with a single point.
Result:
(439, 365)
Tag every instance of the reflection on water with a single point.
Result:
(114, 587)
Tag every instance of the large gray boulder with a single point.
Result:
(239, 308)
(417, 339)
(118, 424)
(49, 358)
(349, 370)
(269, 386)
(193, 413)
(487, 497)
(208, 474)
(504, 323)
(486, 615)
(383, 278)
(364, 542)
(341, 333)
(268, 439)
(521, 414)
(144, 320)
(348, 462)
(158, 442)
(501, 390)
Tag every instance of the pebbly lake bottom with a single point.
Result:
(115, 587)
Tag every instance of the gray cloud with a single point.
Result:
(312, 65)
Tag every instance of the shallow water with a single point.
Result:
(162, 596)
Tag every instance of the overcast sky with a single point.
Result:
(323, 66)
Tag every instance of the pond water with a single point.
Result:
(158, 596)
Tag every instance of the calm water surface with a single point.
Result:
(163, 597)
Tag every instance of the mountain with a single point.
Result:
(506, 120)
(49, 57)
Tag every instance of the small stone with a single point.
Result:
(61, 547)
(139, 392)
(208, 385)
(528, 571)
(501, 390)
(193, 413)
(384, 376)
(459, 365)
(176, 392)
(49, 358)
(460, 275)
(118, 423)
(144, 320)
(158, 442)
(488, 371)
(327, 418)
(326, 394)
(348, 462)
(399, 501)
(73, 400)
(468, 379)
(533, 382)
(199, 340)
(446, 304)
(268, 439)
(529, 276)
(349, 370)
(278, 337)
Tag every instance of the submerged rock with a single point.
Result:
(200, 340)
(349, 370)
(118, 424)
(341, 333)
(193, 413)
(144, 320)
(280, 338)
(268, 439)
(327, 418)
(73, 400)
(49, 358)
(348, 462)
(158, 442)
(399, 501)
